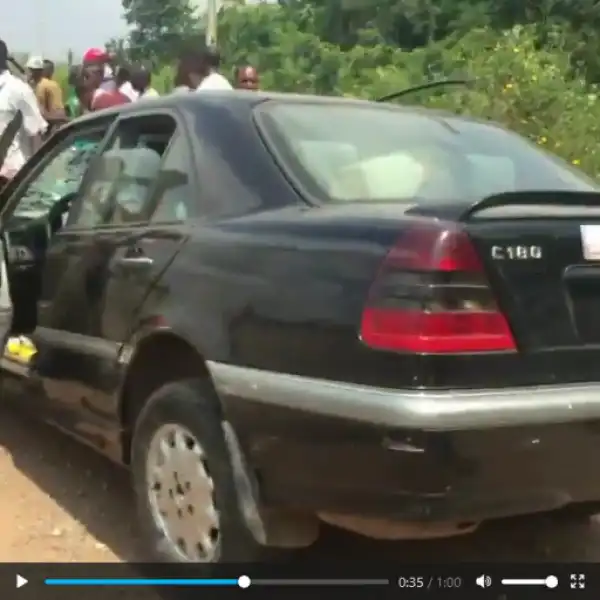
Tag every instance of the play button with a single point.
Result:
(21, 581)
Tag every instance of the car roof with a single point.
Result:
(243, 100)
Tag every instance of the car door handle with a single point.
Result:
(135, 260)
(134, 255)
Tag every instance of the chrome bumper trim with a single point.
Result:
(425, 410)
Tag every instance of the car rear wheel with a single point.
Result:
(186, 498)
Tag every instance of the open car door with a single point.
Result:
(6, 308)
(6, 139)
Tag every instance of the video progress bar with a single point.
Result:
(140, 581)
(243, 582)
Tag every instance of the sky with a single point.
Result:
(50, 27)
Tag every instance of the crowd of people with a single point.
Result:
(101, 82)
(35, 105)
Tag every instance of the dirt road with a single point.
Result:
(62, 503)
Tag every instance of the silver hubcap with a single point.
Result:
(181, 494)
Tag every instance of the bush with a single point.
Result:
(530, 90)
(528, 86)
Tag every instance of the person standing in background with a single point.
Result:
(112, 61)
(212, 80)
(54, 85)
(189, 71)
(47, 91)
(35, 71)
(198, 70)
(180, 85)
(96, 97)
(48, 69)
(92, 76)
(123, 82)
(141, 80)
(74, 107)
(96, 56)
(246, 78)
(17, 98)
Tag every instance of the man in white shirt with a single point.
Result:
(16, 95)
(213, 80)
(198, 70)
(124, 83)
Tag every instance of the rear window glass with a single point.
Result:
(346, 153)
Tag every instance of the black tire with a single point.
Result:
(193, 404)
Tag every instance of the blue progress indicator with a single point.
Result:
(141, 581)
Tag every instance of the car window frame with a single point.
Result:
(108, 141)
(45, 155)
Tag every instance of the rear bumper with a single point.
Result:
(415, 455)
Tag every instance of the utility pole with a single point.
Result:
(211, 23)
(39, 28)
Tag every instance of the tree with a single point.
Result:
(118, 47)
(160, 28)
(534, 62)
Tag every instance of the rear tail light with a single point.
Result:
(432, 296)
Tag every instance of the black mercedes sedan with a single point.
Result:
(281, 310)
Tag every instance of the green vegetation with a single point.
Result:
(534, 64)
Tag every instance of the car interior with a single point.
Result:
(115, 192)
(358, 155)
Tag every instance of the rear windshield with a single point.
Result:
(346, 153)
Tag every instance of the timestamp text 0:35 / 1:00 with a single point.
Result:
(429, 582)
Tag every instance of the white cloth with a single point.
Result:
(16, 95)
(128, 90)
(214, 81)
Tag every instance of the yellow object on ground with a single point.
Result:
(20, 348)
(13, 346)
(27, 349)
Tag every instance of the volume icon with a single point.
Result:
(484, 581)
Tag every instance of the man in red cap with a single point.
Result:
(97, 56)
(97, 98)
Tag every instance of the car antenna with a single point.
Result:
(423, 86)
